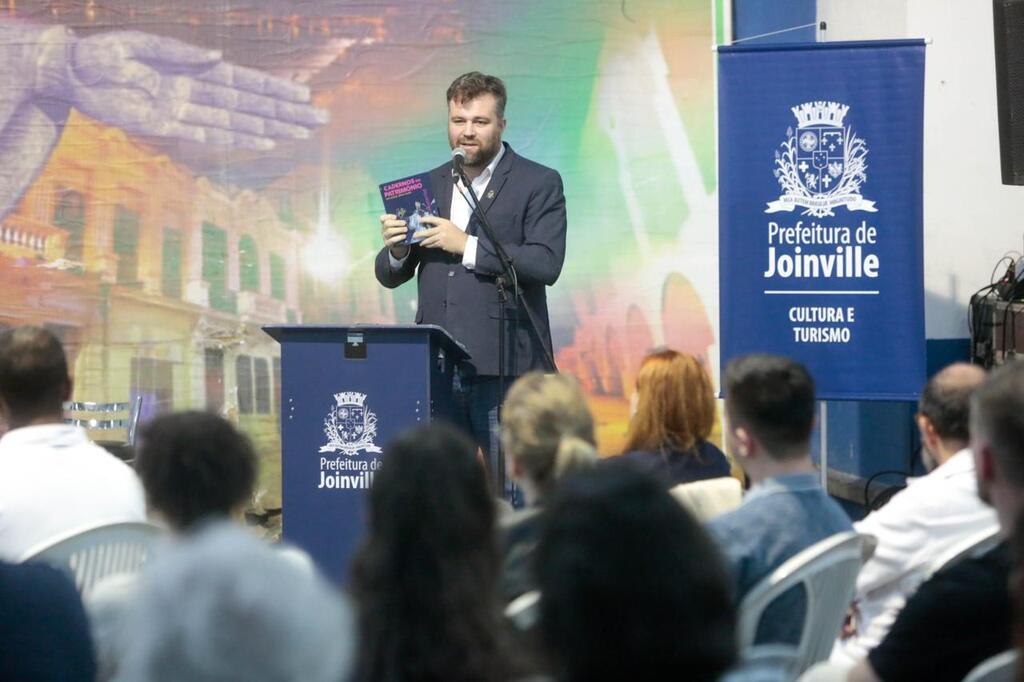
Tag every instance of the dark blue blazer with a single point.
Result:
(525, 205)
(704, 461)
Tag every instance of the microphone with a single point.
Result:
(458, 161)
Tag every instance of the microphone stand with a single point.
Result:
(508, 276)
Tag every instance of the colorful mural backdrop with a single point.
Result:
(176, 175)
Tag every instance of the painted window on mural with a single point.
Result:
(248, 264)
(153, 379)
(126, 245)
(170, 279)
(243, 378)
(69, 215)
(213, 362)
(277, 277)
(215, 268)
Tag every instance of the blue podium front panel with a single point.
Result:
(340, 404)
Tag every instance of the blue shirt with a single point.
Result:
(778, 518)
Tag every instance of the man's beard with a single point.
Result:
(480, 156)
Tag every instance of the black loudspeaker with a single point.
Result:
(1008, 19)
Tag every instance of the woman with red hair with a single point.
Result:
(675, 413)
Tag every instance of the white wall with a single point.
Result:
(970, 218)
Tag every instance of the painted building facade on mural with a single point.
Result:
(157, 257)
(158, 282)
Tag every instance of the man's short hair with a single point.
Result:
(194, 466)
(773, 397)
(997, 411)
(946, 400)
(469, 86)
(632, 586)
(33, 373)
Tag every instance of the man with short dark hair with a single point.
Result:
(195, 467)
(769, 407)
(962, 615)
(198, 470)
(927, 519)
(53, 479)
(456, 264)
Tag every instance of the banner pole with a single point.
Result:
(823, 446)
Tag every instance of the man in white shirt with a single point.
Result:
(53, 479)
(933, 514)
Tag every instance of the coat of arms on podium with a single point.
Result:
(350, 426)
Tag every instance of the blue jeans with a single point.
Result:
(477, 401)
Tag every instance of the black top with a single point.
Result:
(952, 623)
(519, 535)
(43, 627)
(704, 461)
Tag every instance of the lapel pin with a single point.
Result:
(490, 194)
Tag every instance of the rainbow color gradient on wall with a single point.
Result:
(177, 175)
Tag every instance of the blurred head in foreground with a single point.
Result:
(225, 606)
(632, 587)
(425, 579)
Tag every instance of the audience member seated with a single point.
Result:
(961, 616)
(769, 406)
(225, 606)
(632, 588)
(53, 479)
(1017, 593)
(927, 519)
(675, 413)
(546, 431)
(44, 635)
(196, 468)
(425, 581)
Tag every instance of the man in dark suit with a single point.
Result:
(457, 265)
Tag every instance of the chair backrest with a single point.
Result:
(999, 668)
(709, 498)
(524, 610)
(974, 544)
(828, 571)
(90, 554)
(104, 416)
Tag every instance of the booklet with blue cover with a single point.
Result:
(410, 199)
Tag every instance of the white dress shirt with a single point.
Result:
(919, 524)
(461, 211)
(53, 479)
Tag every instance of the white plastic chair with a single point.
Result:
(709, 498)
(828, 571)
(90, 554)
(999, 668)
(979, 543)
(524, 610)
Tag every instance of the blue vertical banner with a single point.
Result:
(820, 233)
